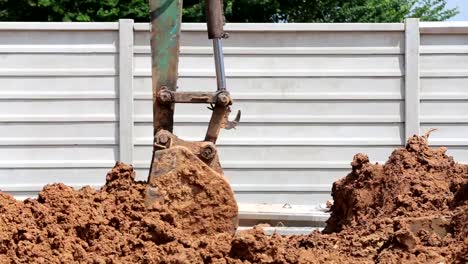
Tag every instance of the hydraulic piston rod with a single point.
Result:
(215, 21)
(219, 64)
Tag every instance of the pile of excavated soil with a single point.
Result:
(412, 209)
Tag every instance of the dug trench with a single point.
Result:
(412, 209)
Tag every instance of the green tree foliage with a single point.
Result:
(332, 11)
(235, 10)
(73, 10)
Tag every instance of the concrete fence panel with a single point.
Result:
(76, 97)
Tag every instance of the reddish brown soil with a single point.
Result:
(412, 209)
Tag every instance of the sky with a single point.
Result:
(463, 8)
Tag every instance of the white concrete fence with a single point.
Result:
(76, 97)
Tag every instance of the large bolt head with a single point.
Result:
(224, 99)
(165, 96)
(163, 138)
(208, 152)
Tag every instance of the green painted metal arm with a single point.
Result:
(166, 16)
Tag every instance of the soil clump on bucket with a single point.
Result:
(412, 209)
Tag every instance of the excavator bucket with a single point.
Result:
(187, 180)
(186, 177)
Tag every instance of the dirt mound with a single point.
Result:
(97, 226)
(412, 209)
(415, 181)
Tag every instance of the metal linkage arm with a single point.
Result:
(166, 96)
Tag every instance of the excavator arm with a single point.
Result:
(165, 48)
(183, 173)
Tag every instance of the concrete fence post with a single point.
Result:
(126, 124)
(412, 77)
